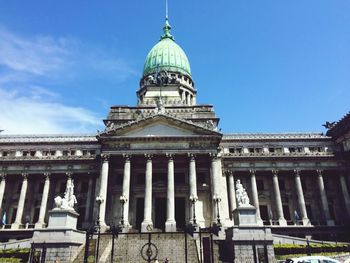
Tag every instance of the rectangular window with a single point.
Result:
(258, 150)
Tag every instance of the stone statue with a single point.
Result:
(69, 199)
(241, 194)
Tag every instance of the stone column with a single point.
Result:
(2, 188)
(324, 199)
(276, 188)
(301, 200)
(103, 189)
(170, 224)
(232, 192)
(21, 201)
(255, 196)
(126, 189)
(193, 183)
(344, 189)
(44, 197)
(147, 223)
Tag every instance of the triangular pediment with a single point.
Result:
(159, 125)
(158, 128)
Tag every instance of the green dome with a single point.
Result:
(167, 55)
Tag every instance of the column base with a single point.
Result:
(306, 222)
(146, 226)
(170, 226)
(103, 227)
(39, 225)
(260, 222)
(15, 225)
(282, 222)
(125, 227)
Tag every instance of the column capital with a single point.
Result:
(252, 171)
(228, 172)
(274, 172)
(105, 157)
(3, 176)
(24, 175)
(191, 156)
(148, 156)
(126, 157)
(170, 156)
(319, 172)
(297, 172)
(214, 155)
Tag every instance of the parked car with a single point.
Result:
(312, 259)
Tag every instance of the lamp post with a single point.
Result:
(217, 200)
(99, 201)
(122, 201)
(193, 200)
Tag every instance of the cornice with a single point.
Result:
(275, 136)
(52, 138)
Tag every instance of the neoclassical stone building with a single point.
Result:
(153, 161)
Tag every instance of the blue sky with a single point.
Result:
(266, 66)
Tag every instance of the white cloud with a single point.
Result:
(33, 114)
(28, 65)
(39, 55)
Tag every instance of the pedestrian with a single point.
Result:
(166, 260)
(156, 260)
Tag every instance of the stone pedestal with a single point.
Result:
(248, 239)
(61, 239)
(245, 216)
(63, 218)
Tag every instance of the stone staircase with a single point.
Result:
(105, 241)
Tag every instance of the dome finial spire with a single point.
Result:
(166, 27)
(166, 9)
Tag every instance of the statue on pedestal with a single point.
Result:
(69, 199)
(241, 195)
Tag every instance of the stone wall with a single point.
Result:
(171, 246)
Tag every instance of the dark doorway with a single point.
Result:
(160, 213)
(286, 213)
(264, 214)
(180, 212)
(139, 212)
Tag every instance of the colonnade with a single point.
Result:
(299, 192)
(18, 222)
(170, 224)
(147, 223)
